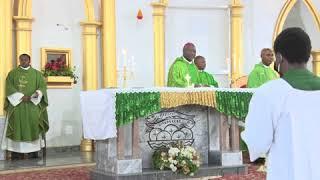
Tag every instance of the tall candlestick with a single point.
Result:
(124, 53)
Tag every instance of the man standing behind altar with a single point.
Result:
(26, 108)
(262, 72)
(183, 72)
(205, 79)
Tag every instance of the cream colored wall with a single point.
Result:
(204, 23)
(64, 104)
(136, 37)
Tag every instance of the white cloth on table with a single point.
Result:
(98, 114)
(282, 123)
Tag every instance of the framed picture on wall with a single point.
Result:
(56, 65)
(51, 55)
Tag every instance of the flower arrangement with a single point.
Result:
(179, 158)
(58, 67)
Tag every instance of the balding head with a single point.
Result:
(189, 51)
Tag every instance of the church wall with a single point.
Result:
(64, 105)
(310, 26)
(204, 23)
(136, 38)
(260, 19)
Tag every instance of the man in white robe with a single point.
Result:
(281, 121)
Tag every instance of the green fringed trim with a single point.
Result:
(233, 104)
(131, 106)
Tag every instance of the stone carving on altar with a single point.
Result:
(168, 127)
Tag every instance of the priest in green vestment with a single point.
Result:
(262, 72)
(205, 79)
(183, 72)
(26, 110)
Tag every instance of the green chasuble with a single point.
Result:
(260, 75)
(180, 70)
(207, 79)
(26, 121)
(302, 79)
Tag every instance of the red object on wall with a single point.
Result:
(139, 15)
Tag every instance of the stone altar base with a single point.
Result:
(129, 156)
(149, 174)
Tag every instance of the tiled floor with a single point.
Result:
(52, 159)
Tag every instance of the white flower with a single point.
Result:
(163, 154)
(173, 167)
(173, 151)
(170, 159)
(191, 174)
(175, 162)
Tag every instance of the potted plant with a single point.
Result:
(58, 74)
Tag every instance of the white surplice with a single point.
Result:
(284, 123)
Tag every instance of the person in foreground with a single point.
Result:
(183, 72)
(26, 111)
(262, 72)
(281, 121)
(205, 79)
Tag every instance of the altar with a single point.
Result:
(129, 124)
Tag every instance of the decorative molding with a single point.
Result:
(316, 62)
(109, 59)
(159, 41)
(236, 39)
(287, 7)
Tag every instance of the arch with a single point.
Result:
(89, 10)
(285, 11)
(313, 11)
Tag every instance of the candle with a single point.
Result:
(124, 53)
(132, 64)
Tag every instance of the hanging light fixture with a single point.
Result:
(139, 15)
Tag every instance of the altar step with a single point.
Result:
(205, 172)
(56, 158)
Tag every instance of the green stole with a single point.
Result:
(26, 121)
(302, 79)
(178, 72)
(207, 79)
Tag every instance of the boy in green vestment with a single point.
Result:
(183, 72)
(262, 72)
(205, 79)
(292, 48)
(26, 108)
